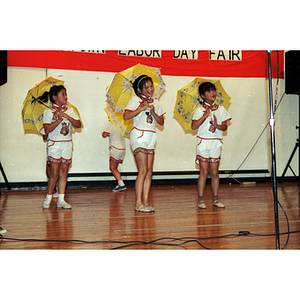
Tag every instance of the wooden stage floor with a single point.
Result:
(101, 219)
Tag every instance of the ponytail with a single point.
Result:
(44, 98)
(54, 90)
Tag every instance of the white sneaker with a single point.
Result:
(63, 204)
(46, 203)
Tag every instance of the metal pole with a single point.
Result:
(4, 177)
(272, 127)
(298, 140)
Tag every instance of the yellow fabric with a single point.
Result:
(32, 113)
(188, 100)
(117, 119)
(121, 90)
(77, 113)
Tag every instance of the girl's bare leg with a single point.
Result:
(48, 175)
(113, 166)
(63, 176)
(62, 182)
(214, 175)
(148, 179)
(202, 183)
(53, 177)
(141, 161)
(202, 177)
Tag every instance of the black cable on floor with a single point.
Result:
(157, 242)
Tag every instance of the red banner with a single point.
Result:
(198, 63)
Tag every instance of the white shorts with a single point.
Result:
(208, 150)
(142, 141)
(117, 155)
(59, 152)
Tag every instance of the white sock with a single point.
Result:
(61, 197)
(121, 183)
(48, 198)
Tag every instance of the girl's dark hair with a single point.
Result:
(139, 83)
(54, 91)
(206, 87)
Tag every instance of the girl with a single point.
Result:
(58, 123)
(145, 112)
(117, 152)
(211, 120)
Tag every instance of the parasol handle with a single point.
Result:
(41, 102)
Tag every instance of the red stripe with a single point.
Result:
(117, 148)
(253, 63)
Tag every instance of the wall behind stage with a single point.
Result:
(23, 156)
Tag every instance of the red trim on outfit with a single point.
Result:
(143, 130)
(144, 151)
(53, 142)
(207, 160)
(226, 120)
(210, 139)
(59, 160)
(117, 148)
(115, 160)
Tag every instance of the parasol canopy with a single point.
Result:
(188, 99)
(120, 91)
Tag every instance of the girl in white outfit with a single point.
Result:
(58, 123)
(145, 112)
(117, 153)
(211, 120)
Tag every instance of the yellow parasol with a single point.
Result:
(188, 99)
(117, 119)
(32, 111)
(74, 129)
(120, 91)
(32, 108)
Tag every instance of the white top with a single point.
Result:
(115, 138)
(144, 120)
(63, 132)
(222, 116)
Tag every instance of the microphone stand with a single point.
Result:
(4, 177)
(273, 173)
